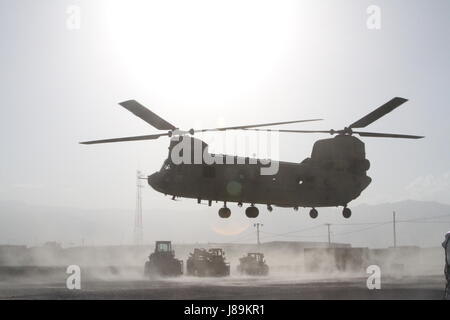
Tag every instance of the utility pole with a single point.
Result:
(138, 230)
(329, 234)
(257, 225)
(395, 232)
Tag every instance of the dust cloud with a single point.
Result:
(288, 262)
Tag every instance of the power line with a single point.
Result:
(357, 224)
(371, 225)
(360, 230)
(246, 234)
(425, 218)
(295, 231)
(376, 225)
(426, 221)
(271, 235)
(397, 221)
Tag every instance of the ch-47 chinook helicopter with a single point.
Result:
(334, 175)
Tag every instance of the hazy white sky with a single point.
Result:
(203, 63)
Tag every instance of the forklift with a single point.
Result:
(207, 263)
(162, 261)
(253, 264)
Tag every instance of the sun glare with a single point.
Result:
(198, 46)
(230, 228)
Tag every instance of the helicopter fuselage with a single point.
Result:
(334, 175)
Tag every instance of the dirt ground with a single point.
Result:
(230, 288)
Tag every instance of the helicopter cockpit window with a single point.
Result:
(166, 166)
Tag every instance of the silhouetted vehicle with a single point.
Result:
(207, 263)
(253, 264)
(162, 262)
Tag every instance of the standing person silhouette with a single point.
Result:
(446, 245)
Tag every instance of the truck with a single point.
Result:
(162, 261)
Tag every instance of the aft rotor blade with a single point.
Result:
(387, 135)
(378, 113)
(256, 125)
(148, 116)
(136, 138)
(362, 134)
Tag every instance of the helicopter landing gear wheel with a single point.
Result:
(252, 212)
(224, 212)
(313, 213)
(346, 212)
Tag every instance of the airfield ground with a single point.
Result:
(272, 287)
(297, 271)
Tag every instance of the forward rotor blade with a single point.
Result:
(378, 113)
(295, 131)
(386, 135)
(148, 116)
(256, 125)
(136, 138)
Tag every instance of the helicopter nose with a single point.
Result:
(153, 180)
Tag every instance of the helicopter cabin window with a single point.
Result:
(209, 171)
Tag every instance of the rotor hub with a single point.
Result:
(347, 131)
